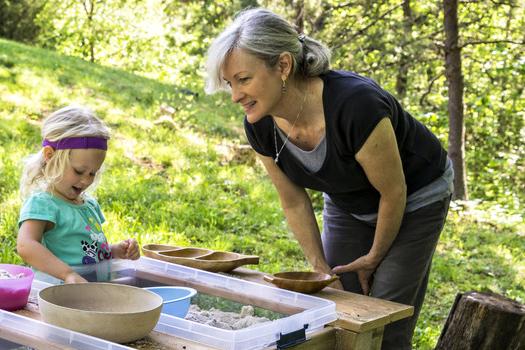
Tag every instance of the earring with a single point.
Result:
(283, 86)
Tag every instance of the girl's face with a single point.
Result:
(79, 174)
(255, 86)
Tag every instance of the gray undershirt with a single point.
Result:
(312, 160)
(437, 190)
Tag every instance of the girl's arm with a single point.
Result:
(381, 162)
(35, 254)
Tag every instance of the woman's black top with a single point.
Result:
(353, 106)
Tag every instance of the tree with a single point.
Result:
(456, 136)
(404, 61)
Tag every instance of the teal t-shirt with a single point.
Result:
(77, 236)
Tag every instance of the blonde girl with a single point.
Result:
(60, 225)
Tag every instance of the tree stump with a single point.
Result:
(483, 321)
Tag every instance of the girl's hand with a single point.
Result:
(132, 250)
(127, 249)
(364, 266)
(73, 277)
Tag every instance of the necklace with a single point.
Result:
(278, 152)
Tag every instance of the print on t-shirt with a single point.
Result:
(98, 249)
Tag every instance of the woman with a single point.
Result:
(385, 178)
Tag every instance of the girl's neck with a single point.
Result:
(79, 200)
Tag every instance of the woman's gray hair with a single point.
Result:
(265, 35)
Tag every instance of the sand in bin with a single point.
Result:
(223, 319)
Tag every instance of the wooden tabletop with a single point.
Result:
(356, 312)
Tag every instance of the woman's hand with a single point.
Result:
(73, 277)
(127, 249)
(337, 285)
(364, 266)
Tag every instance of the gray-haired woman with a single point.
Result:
(385, 178)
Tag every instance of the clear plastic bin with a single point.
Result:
(308, 312)
(26, 330)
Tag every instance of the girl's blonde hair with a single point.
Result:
(265, 35)
(67, 122)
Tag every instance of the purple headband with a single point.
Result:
(78, 142)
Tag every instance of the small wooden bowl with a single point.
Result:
(301, 281)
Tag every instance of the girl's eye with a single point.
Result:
(243, 80)
(78, 172)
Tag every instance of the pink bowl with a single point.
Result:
(15, 291)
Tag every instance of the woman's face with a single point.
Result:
(255, 86)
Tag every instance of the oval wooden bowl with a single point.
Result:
(223, 261)
(152, 250)
(301, 281)
(182, 256)
(199, 258)
(187, 252)
(114, 312)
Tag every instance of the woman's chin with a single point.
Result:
(253, 117)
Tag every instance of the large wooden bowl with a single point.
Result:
(114, 312)
(301, 281)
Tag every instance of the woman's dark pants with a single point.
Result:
(403, 274)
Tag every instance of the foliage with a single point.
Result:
(17, 19)
(399, 44)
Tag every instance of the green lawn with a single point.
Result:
(174, 175)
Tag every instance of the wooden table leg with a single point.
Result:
(370, 340)
(332, 338)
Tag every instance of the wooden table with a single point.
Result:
(361, 319)
(360, 324)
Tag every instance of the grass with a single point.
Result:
(175, 176)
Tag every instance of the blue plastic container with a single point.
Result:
(176, 299)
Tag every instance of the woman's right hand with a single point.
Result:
(336, 285)
(73, 277)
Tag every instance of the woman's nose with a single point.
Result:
(237, 95)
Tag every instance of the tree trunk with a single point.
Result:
(299, 16)
(404, 62)
(89, 8)
(483, 321)
(456, 136)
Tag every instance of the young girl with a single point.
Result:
(59, 224)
